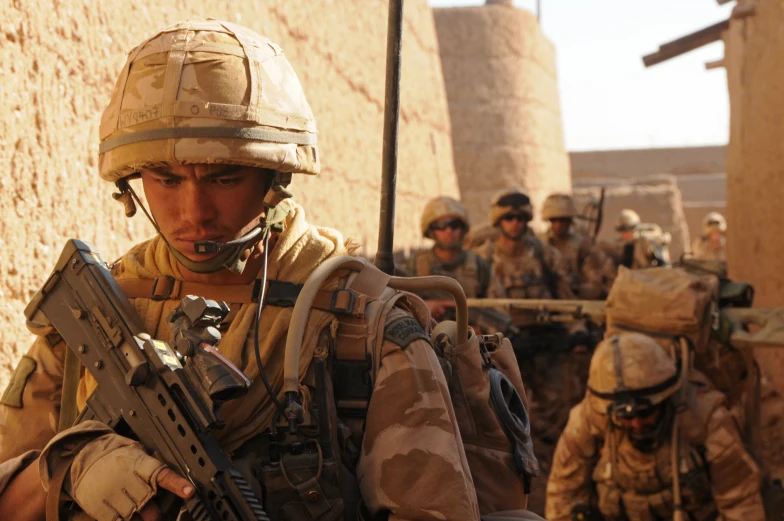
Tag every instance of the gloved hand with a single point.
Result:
(111, 477)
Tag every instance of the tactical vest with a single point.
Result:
(574, 252)
(525, 275)
(636, 485)
(309, 475)
(465, 270)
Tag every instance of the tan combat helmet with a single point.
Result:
(630, 372)
(713, 221)
(628, 220)
(508, 201)
(440, 208)
(209, 92)
(558, 206)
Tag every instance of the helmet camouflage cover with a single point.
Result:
(509, 201)
(628, 220)
(714, 221)
(629, 371)
(558, 206)
(440, 208)
(207, 92)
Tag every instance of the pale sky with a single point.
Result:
(608, 99)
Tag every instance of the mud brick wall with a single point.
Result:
(60, 58)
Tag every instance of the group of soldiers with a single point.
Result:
(562, 263)
(362, 425)
(612, 459)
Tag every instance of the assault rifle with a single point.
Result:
(169, 401)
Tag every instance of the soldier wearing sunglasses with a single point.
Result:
(522, 266)
(642, 417)
(445, 221)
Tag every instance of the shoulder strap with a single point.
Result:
(279, 293)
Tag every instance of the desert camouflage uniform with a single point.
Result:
(470, 270)
(703, 249)
(645, 253)
(527, 269)
(591, 270)
(718, 476)
(410, 407)
(627, 475)
(236, 100)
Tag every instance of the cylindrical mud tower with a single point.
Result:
(503, 99)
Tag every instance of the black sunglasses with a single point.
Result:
(514, 217)
(455, 224)
(564, 220)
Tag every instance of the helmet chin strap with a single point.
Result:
(230, 254)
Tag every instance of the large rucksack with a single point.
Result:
(482, 373)
(673, 304)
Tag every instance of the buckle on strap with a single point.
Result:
(163, 287)
(279, 293)
(348, 308)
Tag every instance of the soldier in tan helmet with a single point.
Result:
(712, 244)
(642, 417)
(635, 247)
(522, 266)
(591, 271)
(445, 221)
(212, 118)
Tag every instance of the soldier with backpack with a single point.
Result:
(349, 415)
(651, 441)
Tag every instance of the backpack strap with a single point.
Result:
(279, 293)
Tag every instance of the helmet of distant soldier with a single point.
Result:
(714, 222)
(207, 92)
(441, 208)
(630, 372)
(628, 220)
(510, 200)
(558, 206)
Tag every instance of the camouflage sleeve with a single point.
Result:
(735, 477)
(596, 275)
(29, 408)
(10, 468)
(412, 465)
(558, 268)
(575, 455)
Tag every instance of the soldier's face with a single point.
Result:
(627, 236)
(448, 231)
(560, 226)
(514, 225)
(204, 202)
(640, 424)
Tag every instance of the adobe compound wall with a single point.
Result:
(754, 59)
(500, 77)
(59, 61)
